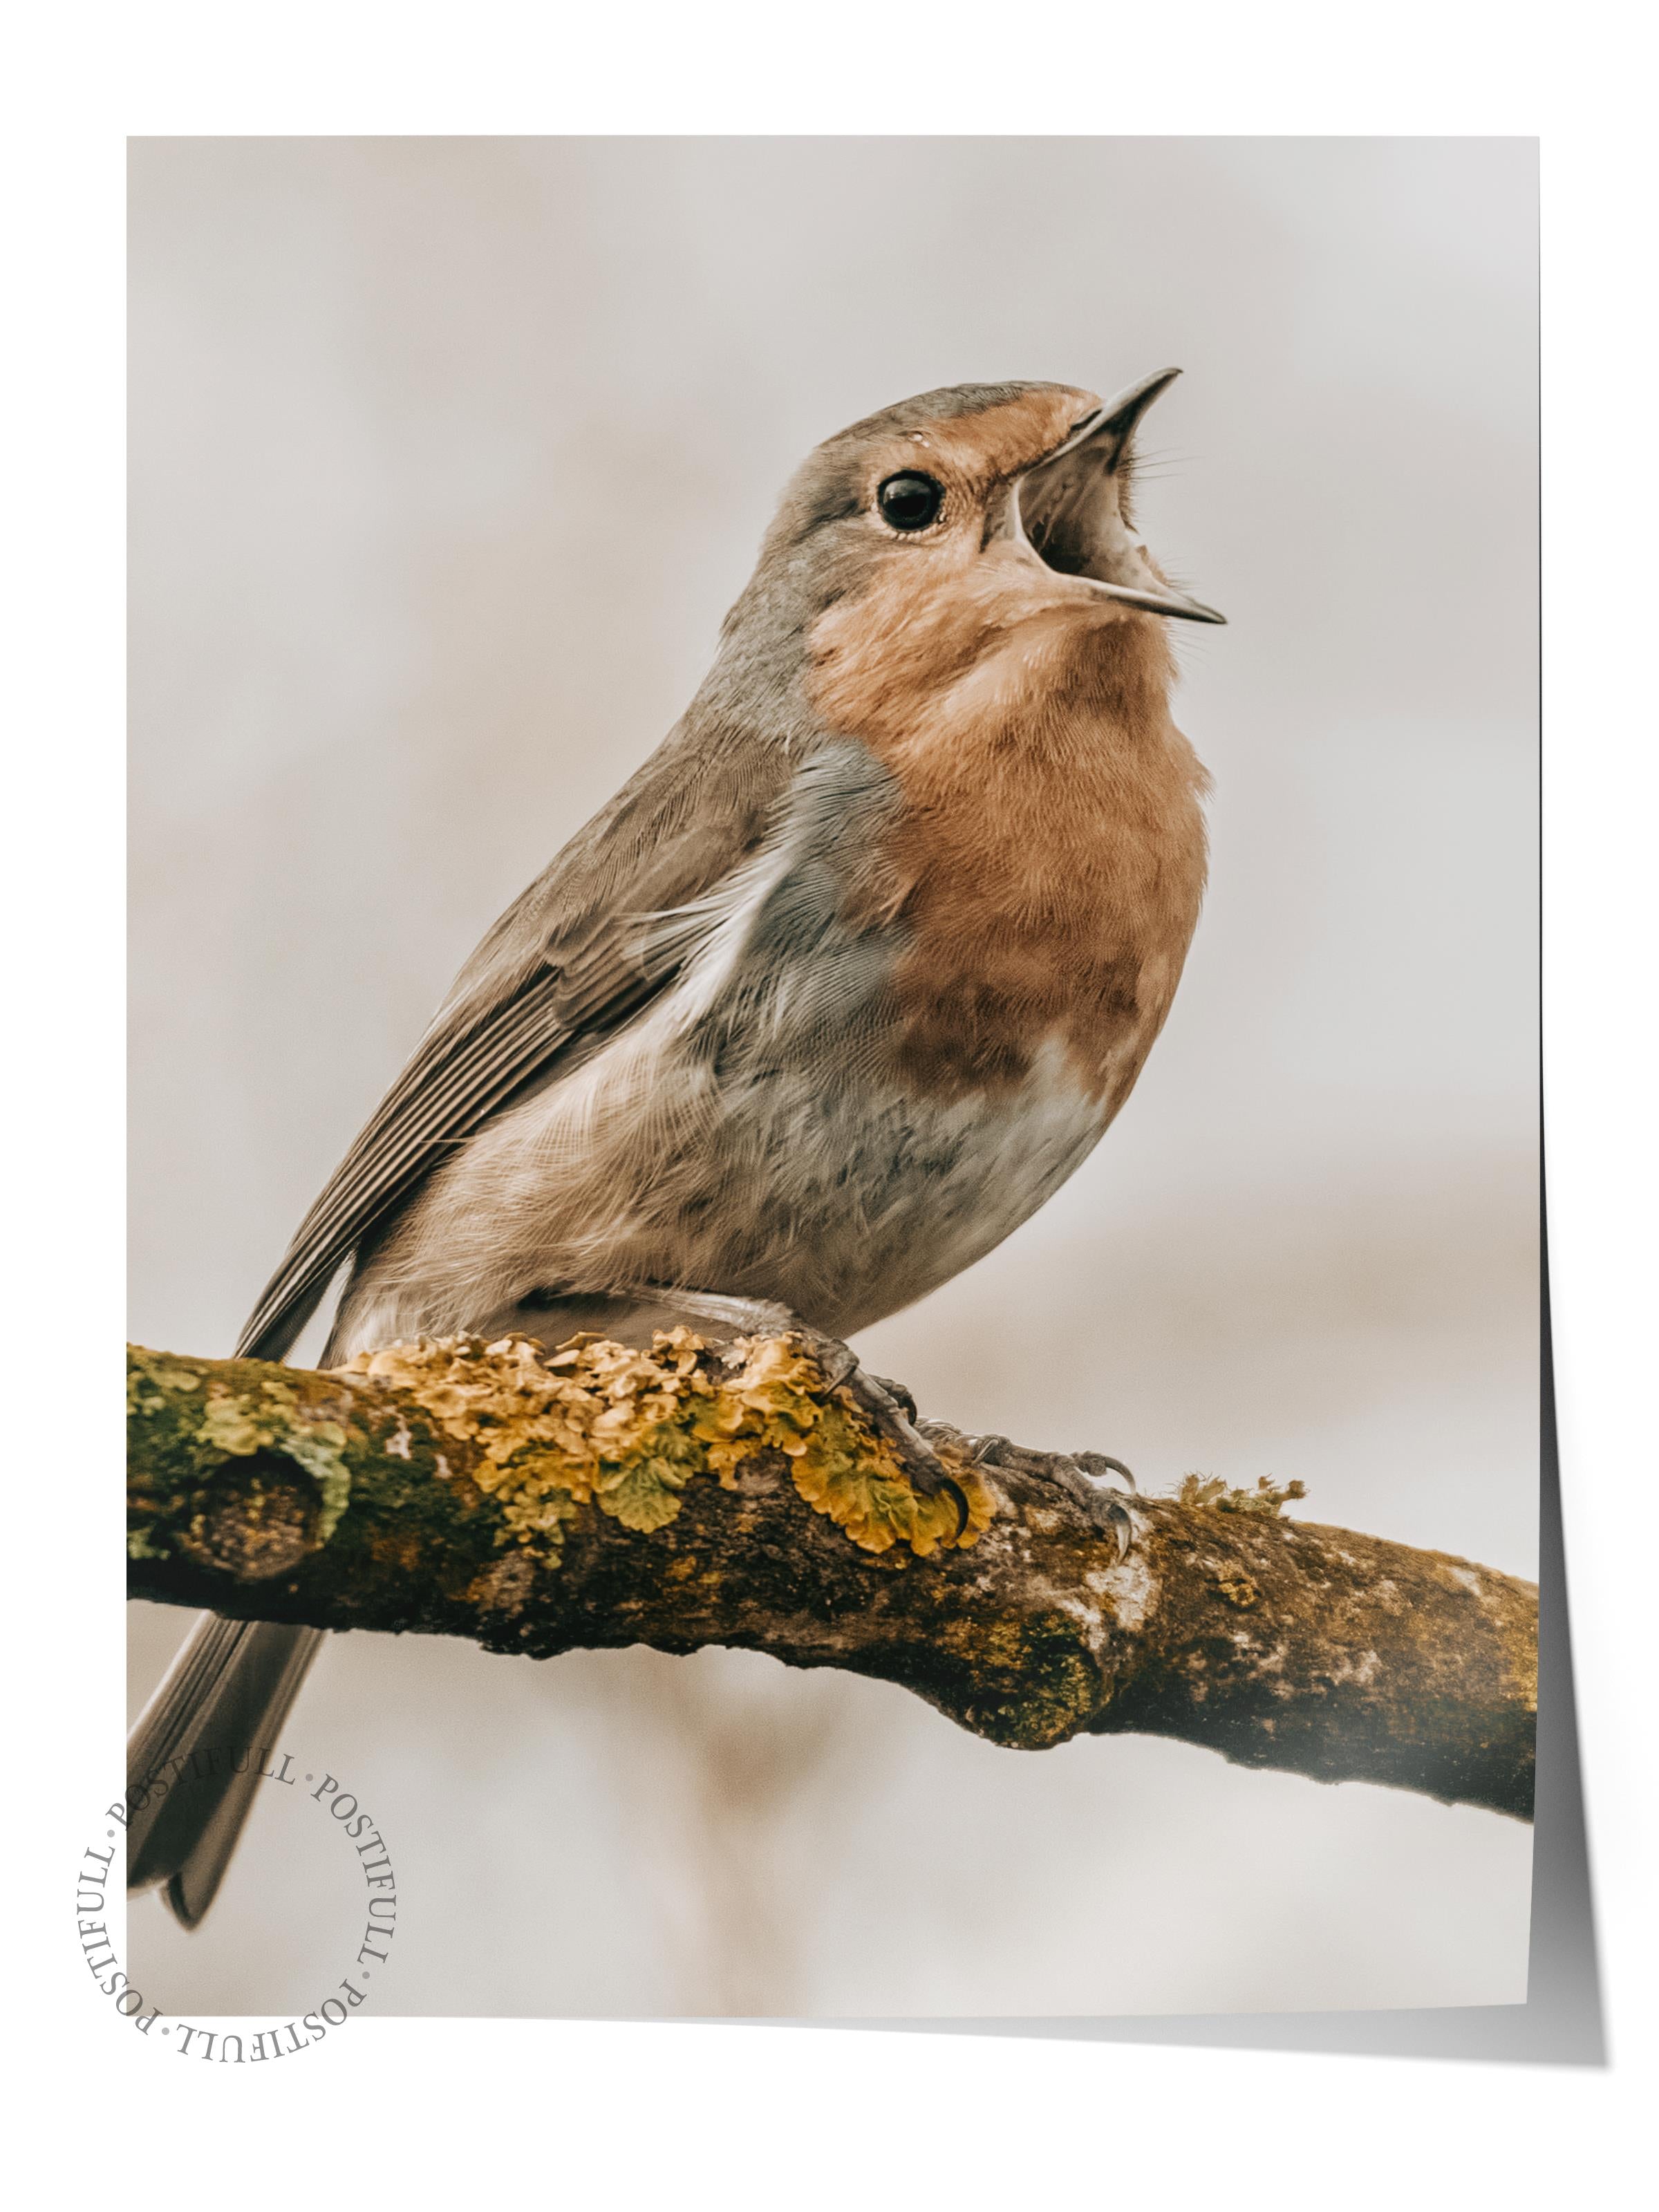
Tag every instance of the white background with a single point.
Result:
(748, 2115)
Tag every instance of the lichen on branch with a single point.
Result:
(594, 1495)
(600, 1423)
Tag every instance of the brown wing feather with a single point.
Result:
(573, 958)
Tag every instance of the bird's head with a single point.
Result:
(958, 524)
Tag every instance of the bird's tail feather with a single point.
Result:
(218, 1710)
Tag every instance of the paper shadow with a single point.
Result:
(1561, 2023)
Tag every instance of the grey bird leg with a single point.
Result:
(880, 1401)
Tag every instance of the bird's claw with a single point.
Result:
(1085, 1474)
(1123, 1526)
(899, 1395)
(1099, 1465)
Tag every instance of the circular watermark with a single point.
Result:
(320, 1798)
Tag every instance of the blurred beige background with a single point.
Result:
(447, 456)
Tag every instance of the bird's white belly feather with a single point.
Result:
(841, 1196)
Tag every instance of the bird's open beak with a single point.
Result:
(1067, 509)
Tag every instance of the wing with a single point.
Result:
(577, 956)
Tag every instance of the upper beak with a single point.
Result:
(1067, 509)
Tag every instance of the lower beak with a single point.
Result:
(1069, 511)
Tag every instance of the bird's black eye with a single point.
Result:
(910, 501)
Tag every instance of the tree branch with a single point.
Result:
(539, 1502)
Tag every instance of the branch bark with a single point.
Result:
(538, 1503)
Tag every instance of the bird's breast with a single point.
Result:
(1045, 864)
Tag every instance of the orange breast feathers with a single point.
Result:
(1049, 857)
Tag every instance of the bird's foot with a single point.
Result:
(887, 1407)
(1084, 1475)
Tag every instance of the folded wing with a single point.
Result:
(569, 963)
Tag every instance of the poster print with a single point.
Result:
(1115, 1025)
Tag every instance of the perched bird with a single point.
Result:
(835, 992)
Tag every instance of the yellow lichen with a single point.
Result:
(861, 1486)
(627, 1429)
(1240, 1590)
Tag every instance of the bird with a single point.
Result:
(838, 989)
